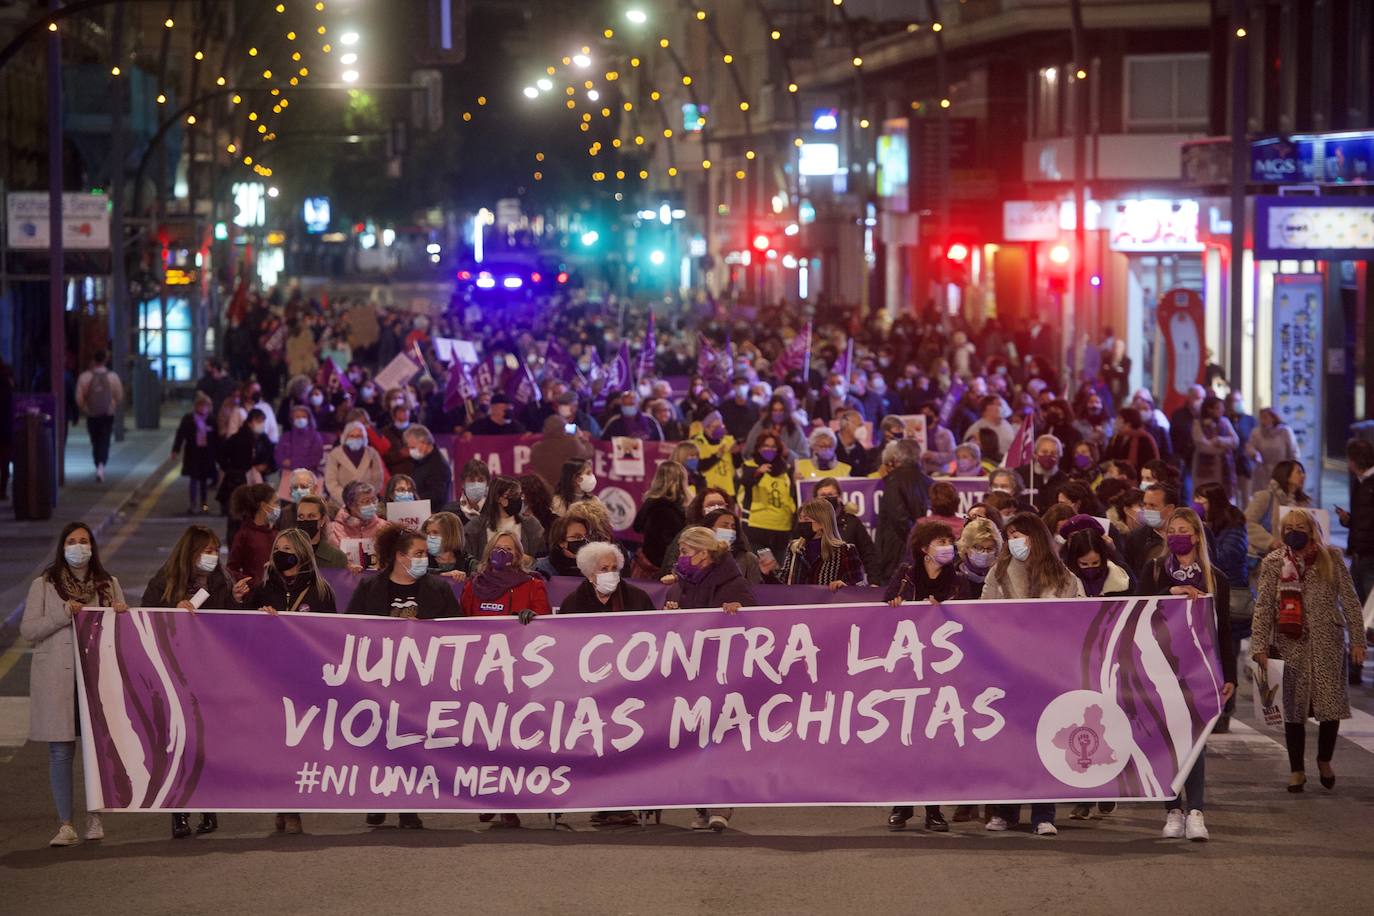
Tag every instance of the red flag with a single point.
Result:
(1022, 450)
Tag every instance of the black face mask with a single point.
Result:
(309, 527)
(575, 545)
(282, 561)
(513, 506)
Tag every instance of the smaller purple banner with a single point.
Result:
(865, 494)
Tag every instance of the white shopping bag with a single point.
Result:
(1267, 691)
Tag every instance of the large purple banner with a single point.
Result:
(622, 477)
(852, 705)
(865, 494)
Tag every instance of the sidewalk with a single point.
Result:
(26, 546)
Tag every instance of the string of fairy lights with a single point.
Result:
(275, 79)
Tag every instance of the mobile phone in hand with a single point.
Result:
(765, 553)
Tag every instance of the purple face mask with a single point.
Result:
(501, 558)
(1180, 544)
(1083, 461)
(687, 571)
(778, 417)
(768, 454)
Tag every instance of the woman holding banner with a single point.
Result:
(707, 576)
(604, 590)
(1186, 570)
(566, 536)
(74, 580)
(504, 585)
(1308, 609)
(1030, 568)
(503, 513)
(821, 556)
(192, 570)
(852, 528)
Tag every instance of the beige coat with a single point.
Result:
(1315, 667)
(1262, 517)
(1015, 584)
(52, 680)
(340, 471)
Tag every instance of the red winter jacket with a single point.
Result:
(527, 595)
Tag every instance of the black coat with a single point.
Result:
(433, 478)
(217, 584)
(435, 597)
(906, 499)
(1362, 517)
(197, 460)
(276, 592)
(1157, 581)
(659, 520)
(239, 454)
(855, 532)
(721, 584)
(583, 600)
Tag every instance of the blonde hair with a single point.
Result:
(449, 529)
(704, 539)
(305, 555)
(1194, 522)
(978, 529)
(522, 560)
(821, 511)
(592, 513)
(1324, 564)
(670, 483)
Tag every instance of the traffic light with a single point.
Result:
(957, 252)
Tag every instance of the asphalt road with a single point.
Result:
(1271, 852)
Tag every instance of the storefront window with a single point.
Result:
(172, 343)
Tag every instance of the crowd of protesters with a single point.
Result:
(1092, 491)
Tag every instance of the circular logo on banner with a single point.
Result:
(1083, 739)
(620, 506)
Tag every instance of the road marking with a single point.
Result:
(11, 656)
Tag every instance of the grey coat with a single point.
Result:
(52, 680)
(1315, 667)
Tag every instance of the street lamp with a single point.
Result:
(350, 76)
(544, 83)
(637, 16)
(531, 92)
(582, 61)
(348, 38)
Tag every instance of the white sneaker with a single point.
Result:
(1045, 828)
(719, 823)
(66, 836)
(1196, 828)
(996, 823)
(95, 830)
(1173, 825)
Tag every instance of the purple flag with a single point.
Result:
(460, 385)
(956, 394)
(794, 357)
(618, 371)
(520, 387)
(645, 367)
(854, 704)
(557, 363)
(865, 494)
(329, 368)
(486, 379)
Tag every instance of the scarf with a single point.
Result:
(84, 589)
(202, 429)
(491, 584)
(1290, 619)
(1186, 575)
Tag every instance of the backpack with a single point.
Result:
(100, 395)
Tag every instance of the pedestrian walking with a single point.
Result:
(99, 393)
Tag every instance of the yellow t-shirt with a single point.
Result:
(772, 503)
(722, 473)
(807, 470)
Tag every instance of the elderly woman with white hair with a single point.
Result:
(352, 459)
(823, 461)
(604, 590)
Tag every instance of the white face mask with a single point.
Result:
(725, 535)
(607, 582)
(208, 562)
(588, 483)
(1020, 548)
